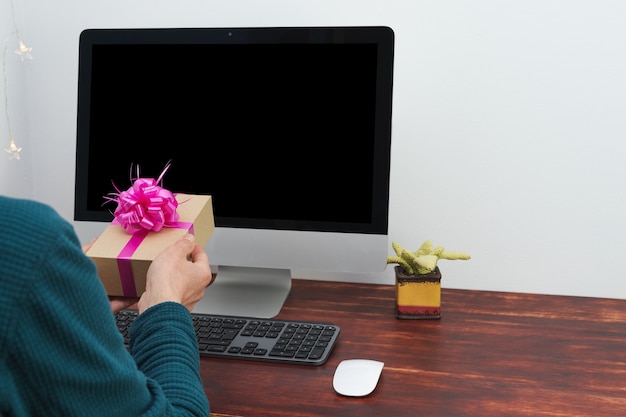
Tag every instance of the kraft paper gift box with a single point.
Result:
(123, 259)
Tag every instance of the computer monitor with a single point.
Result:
(287, 128)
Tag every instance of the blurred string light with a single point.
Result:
(24, 52)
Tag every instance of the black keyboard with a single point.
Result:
(269, 340)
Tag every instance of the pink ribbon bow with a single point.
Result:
(145, 205)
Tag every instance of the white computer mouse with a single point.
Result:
(357, 377)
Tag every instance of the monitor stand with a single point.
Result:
(248, 292)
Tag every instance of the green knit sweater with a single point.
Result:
(60, 351)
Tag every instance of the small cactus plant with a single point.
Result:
(424, 260)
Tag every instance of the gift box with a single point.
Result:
(123, 259)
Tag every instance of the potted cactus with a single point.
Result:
(418, 279)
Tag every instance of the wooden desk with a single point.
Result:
(491, 354)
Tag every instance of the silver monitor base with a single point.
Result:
(249, 292)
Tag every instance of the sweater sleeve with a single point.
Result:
(65, 355)
(164, 334)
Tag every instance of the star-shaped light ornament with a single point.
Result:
(13, 150)
(24, 51)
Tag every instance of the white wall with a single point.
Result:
(15, 175)
(509, 124)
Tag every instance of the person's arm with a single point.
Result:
(164, 334)
(69, 358)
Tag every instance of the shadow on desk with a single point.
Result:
(491, 354)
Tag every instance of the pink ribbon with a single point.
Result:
(145, 205)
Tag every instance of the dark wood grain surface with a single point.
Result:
(491, 354)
